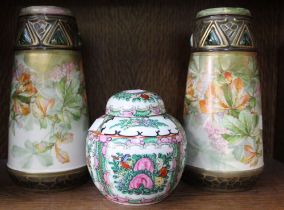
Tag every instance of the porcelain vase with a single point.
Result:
(48, 114)
(223, 119)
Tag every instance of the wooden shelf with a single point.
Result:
(267, 194)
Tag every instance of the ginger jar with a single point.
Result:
(136, 152)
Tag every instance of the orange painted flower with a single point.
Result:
(228, 76)
(21, 108)
(250, 155)
(25, 87)
(125, 165)
(190, 93)
(42, 106)
(231, 96)
(163, 172)
(61, 155)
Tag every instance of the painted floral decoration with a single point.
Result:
(53, 107)
(227, 106)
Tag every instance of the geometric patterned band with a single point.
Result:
(47, 31)
(223, 32)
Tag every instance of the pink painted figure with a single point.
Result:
(144, 164)
(141, 179)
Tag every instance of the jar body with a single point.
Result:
(48, 114)
(136, 160)
(223, 119)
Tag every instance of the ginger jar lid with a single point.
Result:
(135, 103)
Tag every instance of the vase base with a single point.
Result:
(222, 181)
(50, 181)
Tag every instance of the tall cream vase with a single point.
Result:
(223, 117)
(48, 114)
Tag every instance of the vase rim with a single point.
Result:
(48, 10)
(223, 11)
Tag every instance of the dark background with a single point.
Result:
(145, 44)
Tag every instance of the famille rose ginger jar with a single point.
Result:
(136, 152)
(48, 115)
(223, 119)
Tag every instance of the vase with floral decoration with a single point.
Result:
(223, 119)
(48, 114)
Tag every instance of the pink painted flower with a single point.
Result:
(215, 135)
(64, 70)
(141, 179)
(144, 164)
(103, 138)
(128, 113)
(69, 67)
(156, 110)
(57, 74)
(106, 178)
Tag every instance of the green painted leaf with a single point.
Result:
(24, 99)
(234, 125)
(119, 140)
(141, 113)
(45, 159)
(43, 123)
(42, 147)
(232, 138)
(19, 151)
(228, 95)
(247, 121)
(150, 140)
(220, 79)
(252, 102)
(29, 146)
(234, 113)
(60, 88)
(239, 152)
(187, 100)
(255, 120)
